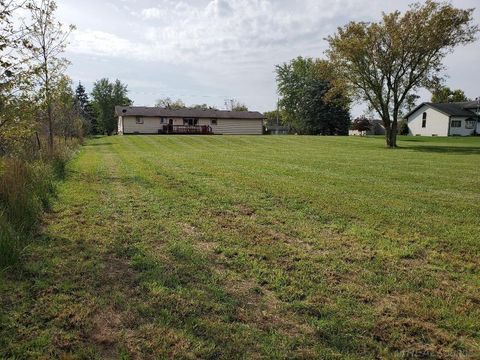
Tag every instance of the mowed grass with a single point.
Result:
(254, 247)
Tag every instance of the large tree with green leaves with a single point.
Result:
(106, 95)
(446, 95)
(308, 102)
(385, 62)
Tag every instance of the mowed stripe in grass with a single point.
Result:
(267, 247)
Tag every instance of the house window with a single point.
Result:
(469, 124)
(139, 120)
(190, 121)
(456, 123)
(214, 122)
(170, 121)
(162, 120)
(424, 120)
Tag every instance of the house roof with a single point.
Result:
(450, 109)
(472, 105)
(194, 113)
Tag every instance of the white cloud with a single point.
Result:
(99, 43)
(219, 8)
(153, 13)
(228, 31)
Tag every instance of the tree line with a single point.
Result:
(168, 103)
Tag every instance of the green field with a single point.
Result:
(254, 247)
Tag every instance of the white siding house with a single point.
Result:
(444, 119)
(154, 120)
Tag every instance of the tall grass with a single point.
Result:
(26, 188)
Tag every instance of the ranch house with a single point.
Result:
(155, 120)
(445, 119)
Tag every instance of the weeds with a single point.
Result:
(26, 189)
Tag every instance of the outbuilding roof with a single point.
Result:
(190, 113)
(450, 109)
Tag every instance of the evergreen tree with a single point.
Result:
(85, 109)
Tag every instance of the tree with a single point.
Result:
(106, 96)
(16, 103)
(168, 103)
(403, 127)
(48, 40)
(447, 95)
(309, 102)
(361, 124)
(203, 107)
(235, 105)
(273, 118)
(385, 62)
(68, 119)
(84, 108)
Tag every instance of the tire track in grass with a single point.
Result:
(126, 326)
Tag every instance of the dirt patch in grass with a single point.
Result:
(260, 307)
(107, 326)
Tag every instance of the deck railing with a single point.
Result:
(186, 129)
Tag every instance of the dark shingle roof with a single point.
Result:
(194, 113)
(450, 109)
(473, 105)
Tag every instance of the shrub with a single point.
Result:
(403, 128)
(361, 124)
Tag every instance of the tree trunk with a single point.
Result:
(50, 126)
(391, 137)
(39, 144)
(393, 134)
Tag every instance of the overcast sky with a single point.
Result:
(206, 51)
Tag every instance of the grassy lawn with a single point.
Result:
(254, 247)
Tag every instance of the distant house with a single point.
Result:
(155, 120)
(444, 119)
(376, 128)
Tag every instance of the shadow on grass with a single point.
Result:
(98, 144)
(456, 150)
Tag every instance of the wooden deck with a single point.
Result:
(186, 129)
